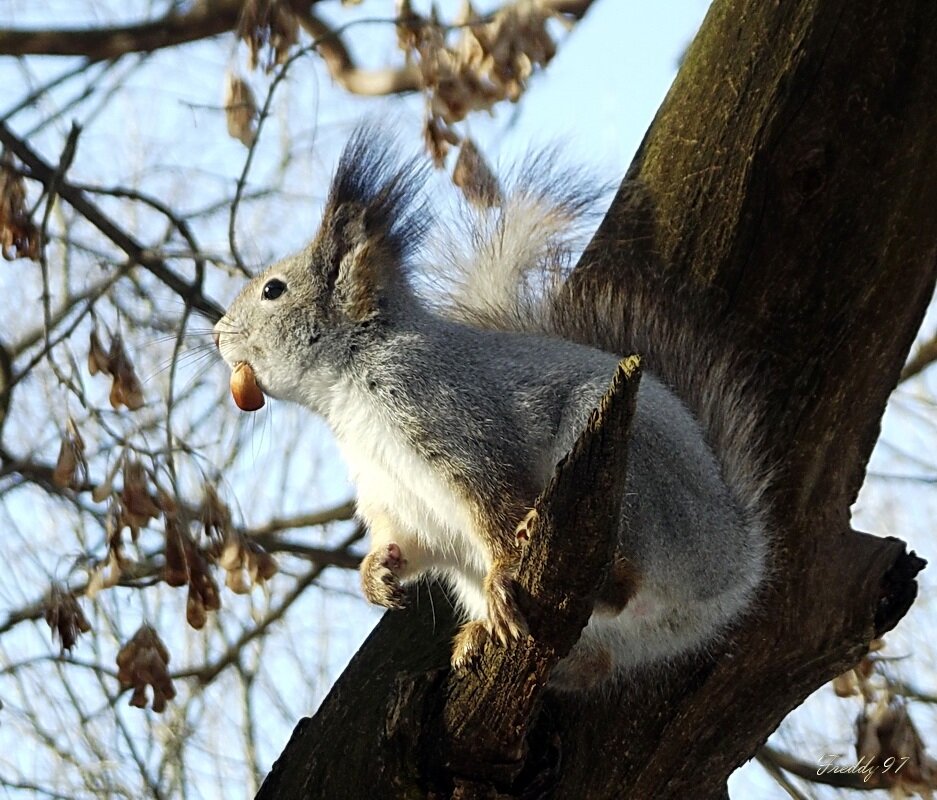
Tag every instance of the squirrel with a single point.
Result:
(452, 413)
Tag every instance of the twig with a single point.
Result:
(209, 672)
(810, 772)
(43, 172)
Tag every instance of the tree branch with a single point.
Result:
(486, 719)
(811, 772)
(208, 18)
(191, 293)
(346, 73)
(925, 355)
(205, 18)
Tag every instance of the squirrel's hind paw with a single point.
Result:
(505, 624)
(379, 577)
(505, 621)
(468, 644)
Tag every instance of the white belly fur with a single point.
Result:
(392, 477)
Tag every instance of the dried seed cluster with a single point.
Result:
(140, 501)
(473, 175)
(187, 566)
(65, 617)
(142, 662)
(19, 237)
(126, 389)
(886, 738)
(71, 467)
(490, 60)
(268, 26)
(247, 565)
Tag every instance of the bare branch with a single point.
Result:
(265, 532)
(203, 20)
(811, 772)
(209, 672)
(346, 73)
(779, 776)
(141, 255)
(923, 357)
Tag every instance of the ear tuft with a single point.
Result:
(371, 177)
(374, 220)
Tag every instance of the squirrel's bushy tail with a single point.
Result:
(509, 272)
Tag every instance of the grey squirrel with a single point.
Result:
(452, 413)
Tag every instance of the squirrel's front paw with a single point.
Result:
(526, 528)
(379, 577)
(505, 622)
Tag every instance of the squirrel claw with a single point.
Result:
(468, 645)
(526, 528)
(505, 622)
(379, 577)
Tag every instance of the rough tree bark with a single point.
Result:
(788, 185)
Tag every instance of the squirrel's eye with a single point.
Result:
(273, 289)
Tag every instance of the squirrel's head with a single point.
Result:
(300, 322)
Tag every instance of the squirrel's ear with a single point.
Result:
(374, 222)
(360, 267)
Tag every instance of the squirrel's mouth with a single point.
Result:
(246, 392)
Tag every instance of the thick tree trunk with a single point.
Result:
(789, 183)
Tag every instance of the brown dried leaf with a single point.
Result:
(71, 467)
(65, 466)
(237, 582)
(240, 109)
(195, 613)
(260, 564)
(476, 179)
(166, 502)
(267, 25)
(105, 575)
(19, 237)
(485, 64)
(408, 26)
(126, 388)
(176, 568)
(467, 14)
(216, 517)
(101, 492)
(65, 617)
(142, 662)
(232, 555)
(247, 565)
(139, 507)
(208, 590)
(129, 386)
(284, 33)
(846, 685)
(203, 593)
(438, 137)
(98, 359)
